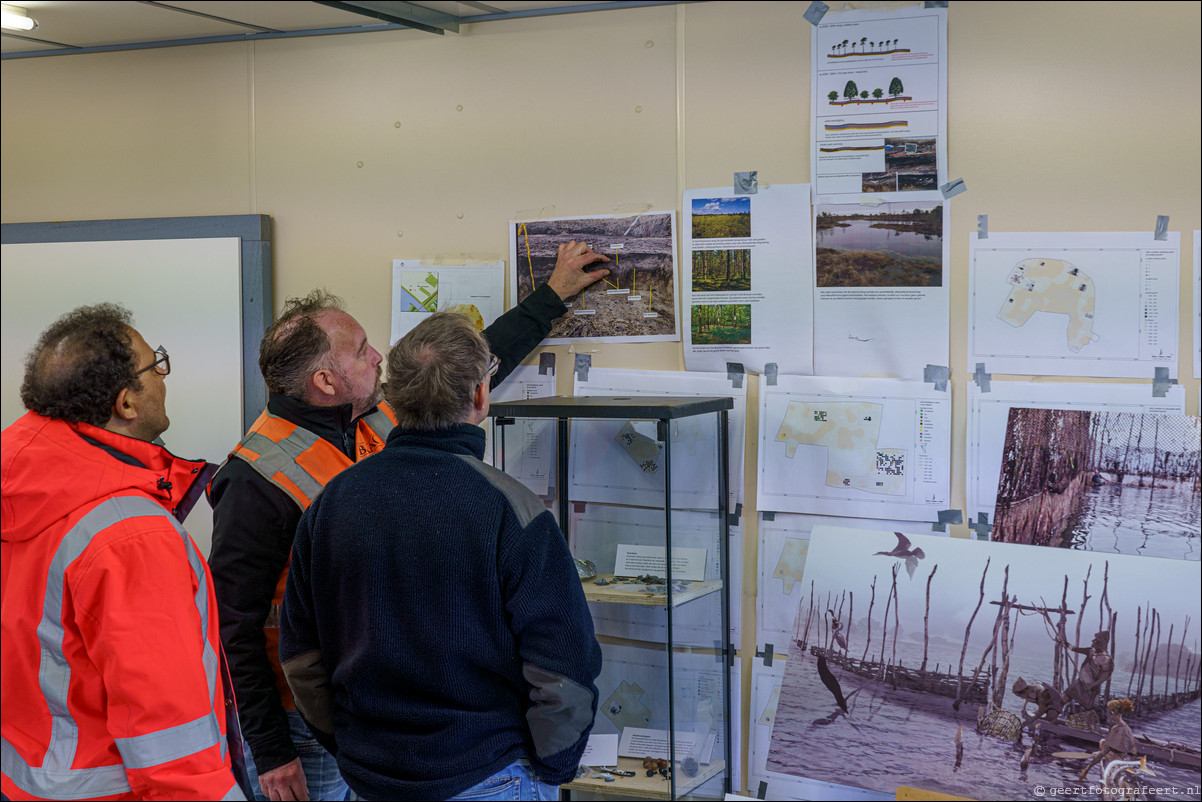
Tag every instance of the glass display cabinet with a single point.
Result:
(639, 487)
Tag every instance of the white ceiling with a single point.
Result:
(74, 26)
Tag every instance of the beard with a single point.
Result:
(361, 404)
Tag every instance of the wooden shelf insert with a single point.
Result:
(641, 786)
(637, 593)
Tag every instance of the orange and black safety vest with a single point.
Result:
(301, 464)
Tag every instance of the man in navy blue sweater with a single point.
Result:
(434, 626)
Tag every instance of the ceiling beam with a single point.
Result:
(407, 14)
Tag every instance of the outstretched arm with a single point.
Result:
(516, 333)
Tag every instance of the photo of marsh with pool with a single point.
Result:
(893, 245)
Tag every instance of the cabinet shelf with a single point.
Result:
(640, 786)
(630, 593)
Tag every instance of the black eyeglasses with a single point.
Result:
(493, 365)
(161, 366)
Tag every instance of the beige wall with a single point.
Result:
(1062, 117)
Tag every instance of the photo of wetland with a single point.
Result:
(1119, 482)
(991, 670)
(892, 245)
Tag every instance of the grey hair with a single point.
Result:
(296, 345)
(433, 372)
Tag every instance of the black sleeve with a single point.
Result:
(516, 333)
(254, 523)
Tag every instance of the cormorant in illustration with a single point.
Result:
(831, 683)
(904, 552)
(835, 627)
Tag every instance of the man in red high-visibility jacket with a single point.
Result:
(112, 670)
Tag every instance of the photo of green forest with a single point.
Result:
(893, 245)
(722, 271)
(722, 324)
(717, 218)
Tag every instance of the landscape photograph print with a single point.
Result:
(892, 245)
(635, 302)
(722, 271)
(721, 324)
(1118, 482)
(721, 218)
(992, 671)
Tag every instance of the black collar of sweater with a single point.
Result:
(333, 424)
(460, 438)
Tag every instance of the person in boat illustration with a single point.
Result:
(1047, 700)
(1096, 668)
(1119, 743)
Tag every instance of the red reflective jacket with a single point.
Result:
(111, 683)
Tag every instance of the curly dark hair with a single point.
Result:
(296, 345)
(80, 364)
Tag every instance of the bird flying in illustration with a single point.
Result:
(836, 626)
(832, 684)
(905, 552)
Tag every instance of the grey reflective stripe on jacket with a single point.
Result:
(281, 458)
(379, 423)
(55, 778)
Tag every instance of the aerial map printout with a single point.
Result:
(871, 448)
(421, 287)
(1092, 304)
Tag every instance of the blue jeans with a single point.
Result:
(320, 767)
(516, 781)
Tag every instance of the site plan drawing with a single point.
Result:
(636, 302)
(1051, 285)
(1075, 304)
(879, 88)
(422, 287)
(611, 460)
(868, 448)
(988, 412)
(748, 291)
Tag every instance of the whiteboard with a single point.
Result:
(185, 294)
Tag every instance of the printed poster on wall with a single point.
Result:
(1099, 304)
(879, 88)
(881, 301)
(636, 302)
(748, 291)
